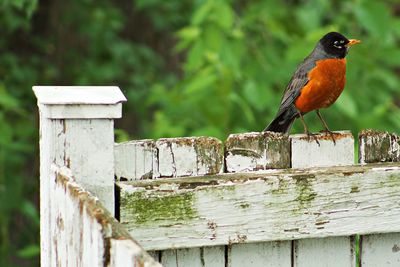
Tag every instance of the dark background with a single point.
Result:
(202, 67)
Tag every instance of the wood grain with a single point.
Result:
(254, 207)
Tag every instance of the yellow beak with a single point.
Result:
(353, 42)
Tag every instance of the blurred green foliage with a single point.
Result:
(203, 67)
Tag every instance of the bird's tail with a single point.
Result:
(283, 121)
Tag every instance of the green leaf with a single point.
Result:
(189, 33)
(201, 13)
(202, 80)
(223, 15)
(195, 56)
(29, 251)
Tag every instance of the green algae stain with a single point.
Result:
(244, 205)
(306, 194)
(282, 187)
(354, 189)
(147, 209)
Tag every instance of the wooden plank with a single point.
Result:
(257, 151)
(169, 258)
(325, 252)
(97, 239)
(134, 160)
(306, 152)
(273, 254)
(188, 156)
(213, 256)
(91, 159)
(182, 257)
(253, 207)
(204, 257)
(377, 146)
(380, 250)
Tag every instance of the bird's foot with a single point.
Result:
(312, 135)
(331, 134)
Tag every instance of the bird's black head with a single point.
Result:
(336, 45)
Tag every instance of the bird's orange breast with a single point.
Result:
(326, 83)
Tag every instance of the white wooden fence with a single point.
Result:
(258, 199)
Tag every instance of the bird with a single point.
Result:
(317, 82)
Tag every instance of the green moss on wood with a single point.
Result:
(306, 193)
(244, 205)
(354, 189)
(154, 208)
(209, 153)
(282, 187)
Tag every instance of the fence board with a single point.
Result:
(286, 205)
(193, 257)
(274, 254)
(306, 152)
(325, 252)
(380, 250)
(257, 151)
(135, 160)
(188, 156)
(83, 233)
(213, 256)
(181, 257)
(377, 146)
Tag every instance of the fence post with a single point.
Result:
(77, 131)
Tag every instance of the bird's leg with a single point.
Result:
(306, 131)
(326, 127)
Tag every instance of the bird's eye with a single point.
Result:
(336, 44)
(342, 41)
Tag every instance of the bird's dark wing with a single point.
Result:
(296, 84)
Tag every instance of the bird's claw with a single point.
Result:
(331, 134)
(309, 135)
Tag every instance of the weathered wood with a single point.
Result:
(273, 254)
(135, 160)
(90, 159)
(188, 156)
(306, 152)
(257, 151)
(72, 135)
(213, 256)
(380, 250)
(275, 205)
(79, 102)
(83, 232)
(325, 252)
(377, 146)
(201, 257)
(181, 257)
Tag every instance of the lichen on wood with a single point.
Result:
(188, 156)
(376, 146)
(256, 151)
(151, 209)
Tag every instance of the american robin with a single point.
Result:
(317, 83)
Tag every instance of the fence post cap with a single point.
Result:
(78, 95)
(79, 102)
